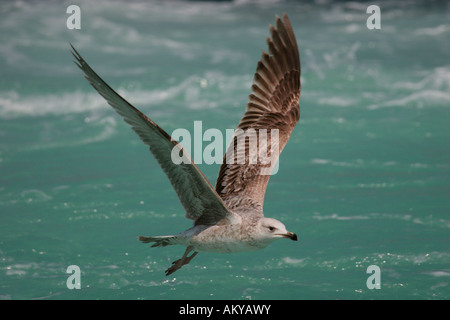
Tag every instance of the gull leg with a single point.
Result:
(181, 262)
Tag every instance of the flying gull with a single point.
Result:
(227, 218)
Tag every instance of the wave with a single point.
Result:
(337, 101)
(196, 91)
(361, 163)
(335, 216)
(420, 99)
(384, 259)
(436, 31)
(438, 273)
(432, 89)
(438, 79)
(26, 196)
(426, 220)
(13, 104)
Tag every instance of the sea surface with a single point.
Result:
(364, 180)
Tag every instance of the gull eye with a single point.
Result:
(271, 228)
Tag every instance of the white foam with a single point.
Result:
(432, 89)
(13, 104)
(337, 101)
(419, 99)
(439, 273)
(320, 161)
(294, 261)
(439, 78)
(357, 163)
(433, 31)
(335, 216)
(35, 195)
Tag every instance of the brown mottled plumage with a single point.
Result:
(273, 104)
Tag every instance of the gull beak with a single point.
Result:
(290, 235)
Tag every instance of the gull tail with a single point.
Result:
(160, 241)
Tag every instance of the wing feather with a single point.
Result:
(198, 197)
(272, 108)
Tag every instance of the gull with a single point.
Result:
(228, 218)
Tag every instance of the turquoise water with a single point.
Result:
(363, 181)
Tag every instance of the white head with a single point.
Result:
(272, 229)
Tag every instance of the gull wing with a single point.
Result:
(198, 197)
(273, 108)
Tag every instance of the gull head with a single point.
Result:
(272, 229)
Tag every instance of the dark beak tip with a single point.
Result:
(291, 236)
